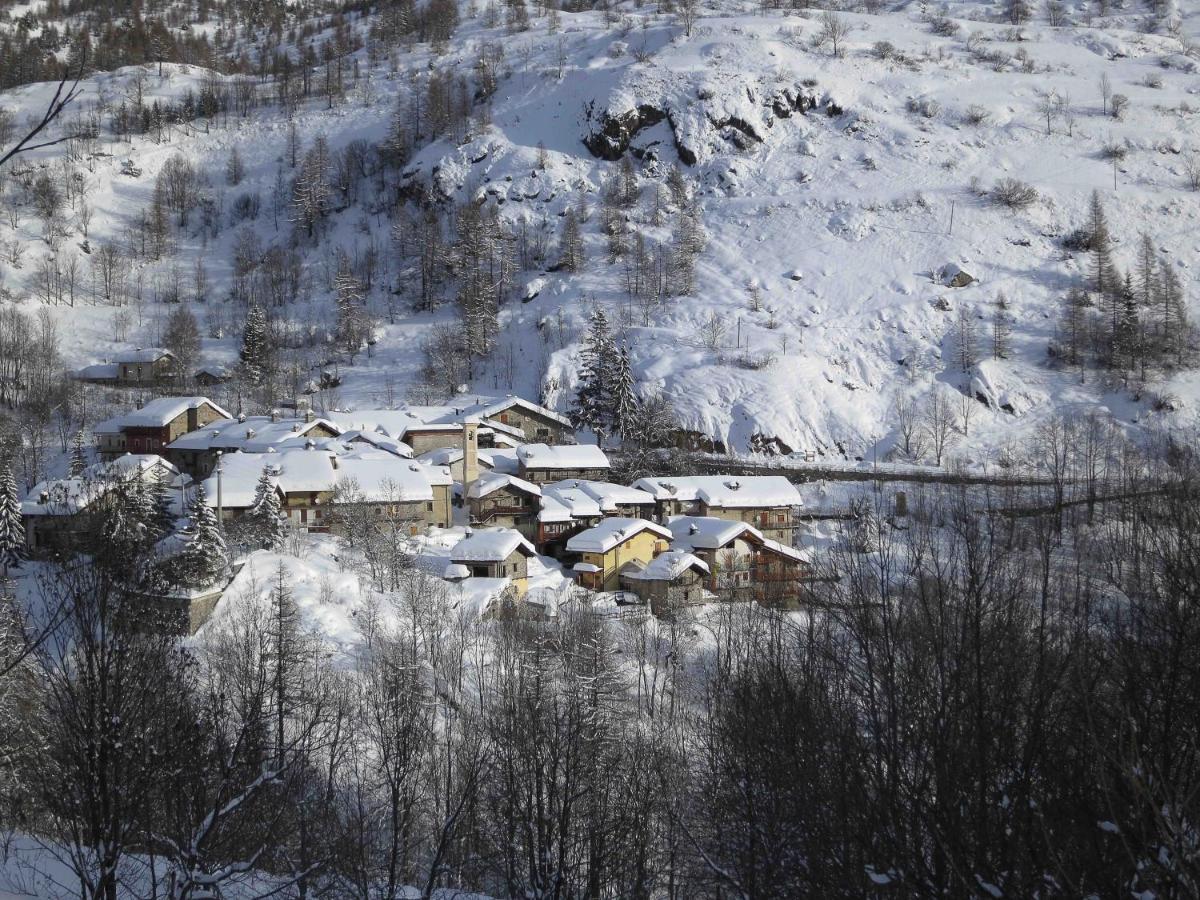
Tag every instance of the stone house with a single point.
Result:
(494, 499)
(544, 463)
(743, 563)
(572, 505)
(61, 514)
(154, 426)
(197, 452)
(767, 502)
(325, 492)
(608, 546)
(670, 581)
(496, 553)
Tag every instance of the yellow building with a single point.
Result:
(610, 545)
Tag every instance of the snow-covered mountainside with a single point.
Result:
(837, 193)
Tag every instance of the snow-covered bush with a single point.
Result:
(1014, 193)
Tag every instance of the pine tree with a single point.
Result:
(594, 398)
(12, 532)
(79, 459)
(265, 515)
(256, 350)
(205, 558)
(311, 191)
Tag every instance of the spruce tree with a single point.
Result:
(594, 398)
(12, 532)
(265, 515)
(163, 504)
(624, 398)
(256, 350)
(79, 459)
(205, 558)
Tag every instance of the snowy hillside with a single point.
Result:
(833, 190)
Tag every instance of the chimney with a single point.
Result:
(308, 415)
(274, 415)
(470, 448)
(901, 504)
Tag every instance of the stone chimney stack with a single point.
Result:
(470, 448)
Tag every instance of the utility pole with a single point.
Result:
(220, 511)
(951, 231)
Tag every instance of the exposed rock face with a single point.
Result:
(610, 134)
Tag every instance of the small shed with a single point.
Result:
(669, 581)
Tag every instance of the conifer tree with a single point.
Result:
(624, 398)
(79, 459)
(163, 503)
(205, 558)
(1001, 329)
(351, 324)
(12, 532)
(594, 397)
(1103, 276)
(256, 350)
(265, 515)
(571, 243)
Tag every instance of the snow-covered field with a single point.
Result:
(825, 229)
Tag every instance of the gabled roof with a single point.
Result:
(562, 456)
(379, 476)
(668, 566)
(68, 496)
(609, 533)
(142, 355)
(490, 482)
(725, 491)
(488, 407)
(157, 414)
(251, 434)
(490, 546)
(605, 493)
(709, 532)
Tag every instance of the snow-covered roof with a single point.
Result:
(493, 545)
(376, 439)
(609, 533)
(68, 496)
(708, 532)
(252, 434)
(156, 414)
(725, 491)
(562, 456)
(668, 566)
(488, 407)
(490, 482)
(142, 355)
(397, 423)
(379, 476)
(98, 371)
(605, 493)
(585, 567)
(784, 550)
(568, 504)
(455, 571)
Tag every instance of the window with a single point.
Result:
(543, 432)
(429, 506)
